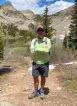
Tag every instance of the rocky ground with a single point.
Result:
(16, 86)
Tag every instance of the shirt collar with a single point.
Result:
(43, 39)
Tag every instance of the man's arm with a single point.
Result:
(32, 49)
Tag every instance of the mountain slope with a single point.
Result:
(22, 19)
(61, 21)
(8, 14)
(29, 14)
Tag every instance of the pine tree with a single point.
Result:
(47, 24)
(72, 39)
(1, 49)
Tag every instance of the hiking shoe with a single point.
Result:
(33, 95)
(42, 95)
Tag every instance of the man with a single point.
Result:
(40, 48)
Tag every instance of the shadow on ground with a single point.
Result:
(5, 69)
(46, 90)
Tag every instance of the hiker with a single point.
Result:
(40, 48)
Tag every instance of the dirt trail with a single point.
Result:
(17, 85)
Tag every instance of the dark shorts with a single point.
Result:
(40, 69)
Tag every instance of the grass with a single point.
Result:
(68, 77)
(2, 76)
(71, 84)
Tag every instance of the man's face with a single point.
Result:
(40, 33)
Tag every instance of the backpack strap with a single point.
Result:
(45, 40)
(35, 43)
(46, 43)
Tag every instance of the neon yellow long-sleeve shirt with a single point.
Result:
(40, 50)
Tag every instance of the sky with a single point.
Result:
(38, 6)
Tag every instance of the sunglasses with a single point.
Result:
(40, 30)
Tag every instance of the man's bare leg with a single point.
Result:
(43, 81)
(36, 84)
